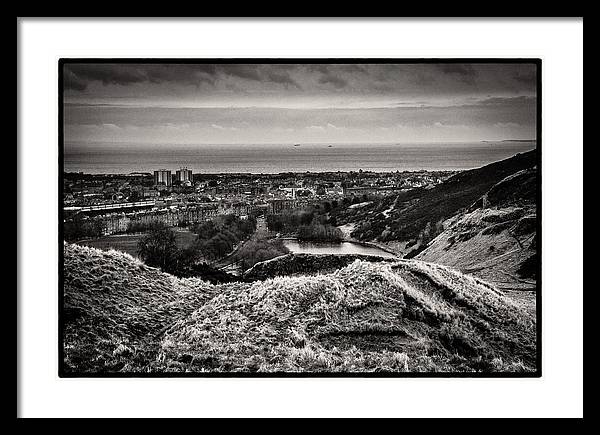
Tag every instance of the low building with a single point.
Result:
(279, 205)
(150, 193)
(359, 190)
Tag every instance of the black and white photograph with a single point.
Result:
(296, 217)
(265, 217)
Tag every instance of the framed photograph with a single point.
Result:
(295, 217)
(300, 217)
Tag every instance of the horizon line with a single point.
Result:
(302, 143)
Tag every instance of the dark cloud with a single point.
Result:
(334, 80)
(79, 76)
(337, 74)
(187, 74)
(334, 74)
(234, 103)
(411, 80)
(323, 69)
(526, 77)
(464, 72)
(249, 72)
(73, 82)
(282, 78)
(353, 68)
(108, 74)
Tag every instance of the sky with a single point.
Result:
(157, 105)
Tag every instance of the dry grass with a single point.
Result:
(116, 308)
(404, 316)
(368, 316)
(500, 241)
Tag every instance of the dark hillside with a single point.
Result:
(495, 238)
(414, 211)
(518, 189)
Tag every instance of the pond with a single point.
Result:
(297, 247)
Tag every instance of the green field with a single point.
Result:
(128, 242)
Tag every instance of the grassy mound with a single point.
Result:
(122, 316)
(293, 264)
(402, 316)
(116, 309)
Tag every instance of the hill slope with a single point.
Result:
(116, 309)
(406, 219)
(368, 316)
(496, 238)
(304, 264)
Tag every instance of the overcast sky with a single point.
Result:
(161, 104)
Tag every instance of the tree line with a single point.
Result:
(260, 249)
(158, 248)
(312, 223)
(219, 236)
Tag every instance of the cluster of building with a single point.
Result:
(180, 195)
(183, 177)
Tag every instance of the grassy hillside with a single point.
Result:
(407, 216)
(294, 264)
(368, 316)
(116, 309)
(496, 242)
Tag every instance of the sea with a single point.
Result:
(125, 158)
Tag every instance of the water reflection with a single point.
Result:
(334, 248)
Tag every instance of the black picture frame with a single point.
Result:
(535, 61)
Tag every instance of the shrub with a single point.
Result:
(529, 267)
(320, 232)
(218, 237)
(158, 248)
(255, 251)
(79, 228)
(137, 227)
